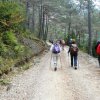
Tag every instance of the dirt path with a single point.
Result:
(42, 83)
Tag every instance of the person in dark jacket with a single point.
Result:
(97, 54)
(73, 50)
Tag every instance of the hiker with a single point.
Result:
(62, 43)
(55, 50)
(97, 49)
(73, 50)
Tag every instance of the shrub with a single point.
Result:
(19, 49)
(11, 15)
(3, 49)
(9, 38)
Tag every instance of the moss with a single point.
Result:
(4, 82)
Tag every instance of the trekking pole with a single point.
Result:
(68, 59)
(78, 62)
(60, 61)
(50, 60)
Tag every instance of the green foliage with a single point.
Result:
(2, 48)
(4, 81)
(19, 49)
(26, 67)
(83, 47)
(11, 14)
(14, 47)
(73, 36)
(9, 38)
(5, 65)
(10, 46)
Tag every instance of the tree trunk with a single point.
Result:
(46, 28)
(69, 24)
(40, 21)
(27, 12)
(43, 23)
(89, 29)
(33, 19)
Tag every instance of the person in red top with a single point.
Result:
(96, 51)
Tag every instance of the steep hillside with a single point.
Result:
(16, 55)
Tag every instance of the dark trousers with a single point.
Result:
(73, 60)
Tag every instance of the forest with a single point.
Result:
(42, 20)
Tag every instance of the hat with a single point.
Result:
(73, 41)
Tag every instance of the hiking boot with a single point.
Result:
(55, 68)
(75, 68)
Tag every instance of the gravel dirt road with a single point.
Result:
(41, 82)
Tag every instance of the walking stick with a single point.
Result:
(68, 59)
(60, 61)
(78, 62)
(50, 60)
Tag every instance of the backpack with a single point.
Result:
(74, 49)
(56, 49)
(98, 49)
